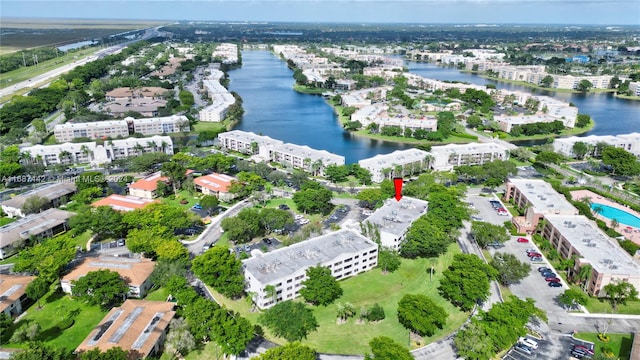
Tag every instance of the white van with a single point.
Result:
(529, 342)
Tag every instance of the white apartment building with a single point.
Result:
(378, 114)
(571, 82)
(121, 128)
(248, 143)
(394, 218)
(96, 154)
(629, 142)
(221, 98)
(227, 52)
(634, 87)
(549, 110)
(304, 157)
(346, 253)
(409, 162)
(575, 235)
(447, 157)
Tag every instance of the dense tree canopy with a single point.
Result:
(100, 287)
(220, 269)
(485, 233)
(510, 269)
(289, 351)
(320, 287)
(420, 314)
(290, 320)
(621, 161)
(313, 198)
(466, 281)
(384, 348)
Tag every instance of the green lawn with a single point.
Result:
(365, 290)
(160, 294)
(208, 126)
(598, 305)
(6, 220)
(55, 306)
(620, 344)
(274, 203)
(401, 139)
(82, 239)
(191, 200)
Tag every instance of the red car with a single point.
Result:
(553, 279)
(523, 240)
(534, 254)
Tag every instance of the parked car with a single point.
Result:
(283, 207)
(120, 242)
(583, 348)
(206, 246)
(531, 250)
(552, 279)
(523, 349)
(543, 269)
(528, 342)
(523, 240)
(549, 274)
(476, 218)
(246, 248)
(534, 254)
(267, 241)
(197, 207)
(554, 284)
(536, 259)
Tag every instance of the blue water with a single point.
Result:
(621, 216)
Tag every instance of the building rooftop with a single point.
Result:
(12, 287)
(543, 198)
(135, 271)
(471, 148)
(395, 217)
(136, 326)
(601, 251)
(285, 261)
(123, 202)
(49, 191)
(395, 158)
(249, 137)
(304, 151)
(32, 224)
(149, 183)
(215, 182)
(125, 92)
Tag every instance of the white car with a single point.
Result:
(528, 342)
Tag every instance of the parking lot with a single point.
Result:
(262, 246)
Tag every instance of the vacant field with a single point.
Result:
(20, 34)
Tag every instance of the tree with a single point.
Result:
(289, 351)
(384, 348)
(424, 239)
(37, 289)
(388, 260)
(580, 149)
(209, 203)
(313, 198)
(466, 281)
(345, 311)
(573, 297)
(619, 292)
(621, 161)
(473, 342)
(35, 204)
(547, 81)
(220, 269)
(320, 287)
(48, 258)
(290, 320)
(510, 269)
(420, 314)
(549, 157)
(584, 85)
(171, 250)
(114, 353)
(376, 313)
(179, 340)
(40, 351)
(100, 287)
(485, 233)
(28, 331)
(176, 173)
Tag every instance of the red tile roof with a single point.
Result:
(149, 183)
(123, 202)
(215, 182)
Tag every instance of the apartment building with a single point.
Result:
(147, 187)
(364, 97)
(379, 114)
(145, 92)
(39, 226)
(634, 87)
(304, 157)
(549, 110)
(248, 143)
(227, 52)
(144, 106)
(68, 132)
(448, 157)
(123, 202)
(137, 326)
(575, 235)
(629, 142)
(346, 253)
(221, 98)
(135, 271)
(396, 164)
(57, 194)
(95, 153)
(215, 184)
(394, 218)
(12, 293)
(538, 199)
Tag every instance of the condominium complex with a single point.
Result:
(227, 52)
(97, 153)
(135, 271)
(123, 202)
(215, 184)
(147, 187)
(394, 218)
(538, 199)
(56, 194)
(346, 253)
(143, 106)
(448, 157)
(264, 148)
(549, 110)
(138, 327)
(40, 226)
(121, 128)
(396, 164)
(221, 98)
(629, 142)
(145, 92)
(575, 235)
(379, 114)
(12, 293)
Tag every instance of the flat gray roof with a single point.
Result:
(277, 264)
(395, 217)
(398, 157)
(543, 198)
(594, 245)
(33, 224)
(49, 191)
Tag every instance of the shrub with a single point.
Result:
(604, 338)
(184, 201)
(65, 324)
(376, 313)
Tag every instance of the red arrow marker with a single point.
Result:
(397, 183)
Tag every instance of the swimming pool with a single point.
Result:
(621, 216)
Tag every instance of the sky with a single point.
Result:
(596, 12)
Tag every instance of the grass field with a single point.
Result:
(208, 126)
(400, 139)
(365, 290)
(619, 344)
(6, 220)
(55, 307)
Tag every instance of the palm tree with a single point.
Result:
(139, 149)
(86, 152)
(64, 156)
(152, 145)
(164, 146)
(614, 224)
(584, 275)
(316, 167)
(428, 159)
(597, 210)
(270, 291)
(386, 172)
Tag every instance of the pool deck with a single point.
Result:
(629, 232)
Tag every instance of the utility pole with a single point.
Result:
(24, 61)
